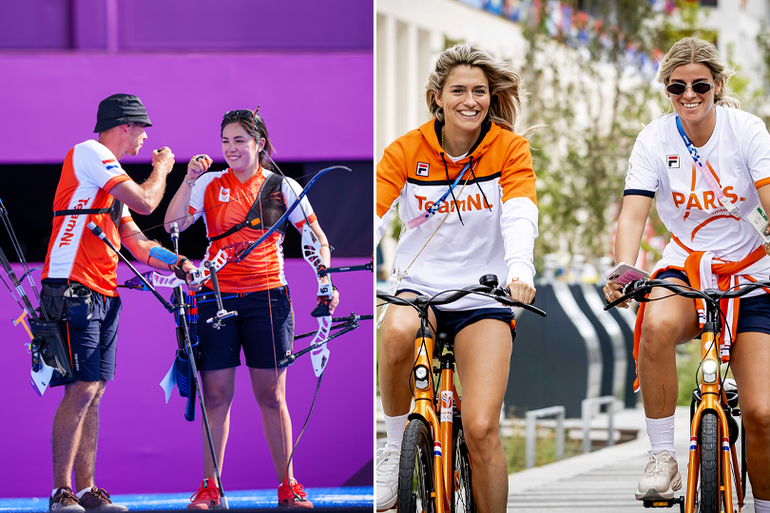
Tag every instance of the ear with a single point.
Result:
(718, 86)
(261, 145)
(437, 97)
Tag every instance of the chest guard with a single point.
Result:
(266, 210)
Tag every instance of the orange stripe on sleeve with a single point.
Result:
(762, 182)
(112, 182)
(311, 219)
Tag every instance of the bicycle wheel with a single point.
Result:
(709, 464)
(462, 496)
(415, 473)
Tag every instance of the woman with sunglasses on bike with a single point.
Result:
(255, 287)
(711, 246)
(469, 164)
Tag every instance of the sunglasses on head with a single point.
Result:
(235, 114)
(698, 87)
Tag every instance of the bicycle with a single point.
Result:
(714, 431)
(435, 466)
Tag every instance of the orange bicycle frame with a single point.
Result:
(441, 427)
(711, 400)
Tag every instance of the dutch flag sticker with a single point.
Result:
(672, 161)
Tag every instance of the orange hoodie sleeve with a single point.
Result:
(518, 178)
(391, 179)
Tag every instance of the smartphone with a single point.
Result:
(624, 274)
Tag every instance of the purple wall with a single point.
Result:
(316, 106)
(146, 446)
(187, 25)
(308, 64)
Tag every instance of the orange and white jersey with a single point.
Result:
(497, 205)
(737, 155)
(89, 172)
(224, 201)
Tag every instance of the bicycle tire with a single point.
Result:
(462, 491)
(709, 464)
(415, 473)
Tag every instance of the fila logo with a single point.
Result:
(423, 168)
(672, 161)
(224, 195)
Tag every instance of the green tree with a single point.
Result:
(580, 156)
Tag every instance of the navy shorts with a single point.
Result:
(94, 347)
(454, 322)
(250, 329)
(754, 313)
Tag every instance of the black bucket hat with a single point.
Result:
(120, 109)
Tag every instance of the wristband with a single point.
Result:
(334, 287)
(181, 262)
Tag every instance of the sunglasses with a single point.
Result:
(236, 114)
(698, 88)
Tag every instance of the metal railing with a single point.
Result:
(532, 417)
(586, 408)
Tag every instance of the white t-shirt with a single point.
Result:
(738, 154)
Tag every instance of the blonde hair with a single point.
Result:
(505, 85)
(691, 50)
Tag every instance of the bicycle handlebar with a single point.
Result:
(637, 290)
(499, 294)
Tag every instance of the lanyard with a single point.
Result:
(756, 217)
(710, 180)
(422, 218)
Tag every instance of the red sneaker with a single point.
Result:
(207, 496)
(292, 495)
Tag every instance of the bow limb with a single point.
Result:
(244, 253)
(311, 252)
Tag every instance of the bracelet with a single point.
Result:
(334, 287)
(189, 182)
(181, 262)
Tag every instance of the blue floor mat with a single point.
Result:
(346, 497)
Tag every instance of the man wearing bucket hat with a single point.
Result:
(94, 188)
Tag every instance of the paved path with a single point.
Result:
(604, 480)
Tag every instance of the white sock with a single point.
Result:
(761, 506)
(395, 428)
(54, 491)
(661, 435)
(82, 492)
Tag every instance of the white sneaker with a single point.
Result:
(661, 478)
(387, 477)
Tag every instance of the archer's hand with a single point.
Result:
(163, 159)
(334, 302)
(522, 291)
(198, 165)
(188, 266)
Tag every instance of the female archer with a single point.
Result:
(238, 206)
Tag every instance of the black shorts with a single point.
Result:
(250, 329)
(94, 347)
(453, 322)
(754, 313)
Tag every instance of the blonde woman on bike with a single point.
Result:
(466, 190)
(710, 247)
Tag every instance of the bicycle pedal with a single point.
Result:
(665, 503)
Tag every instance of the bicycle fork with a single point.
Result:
(710, 400)
(422, 381)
